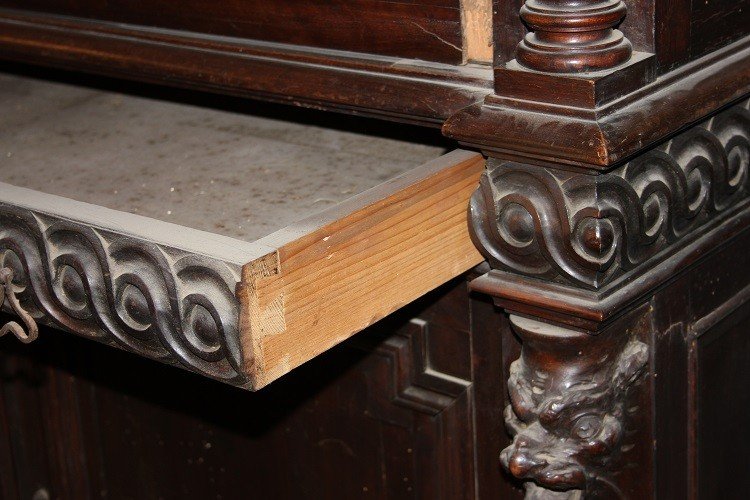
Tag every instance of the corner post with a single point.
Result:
(576, 259)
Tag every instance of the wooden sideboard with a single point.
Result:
(549, 300)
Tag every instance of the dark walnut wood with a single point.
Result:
(586, 264)
(429, 31)
(596, 117)
(571, 37)
(399, 88)
(156, 301)
(8, 292)
(590, 229)
(614, 216)
(388, 414)
(361, 57)
(569, 409)
(594, 131)
(693, 28)
(720, 349)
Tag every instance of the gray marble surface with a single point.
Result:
(235, 174)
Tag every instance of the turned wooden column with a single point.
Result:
(571, 36)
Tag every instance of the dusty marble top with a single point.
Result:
(243, 174)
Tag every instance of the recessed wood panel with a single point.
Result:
(716, 23)
(723, 403)
(688, 29)
(424, 29)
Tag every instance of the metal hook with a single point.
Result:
(6, 291)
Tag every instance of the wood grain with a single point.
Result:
(297, 285)
(364, 83)
(337, 273)
(428, 30)
(476, 25)
(539, 133)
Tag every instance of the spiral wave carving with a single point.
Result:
(159, 302)
(589, 229)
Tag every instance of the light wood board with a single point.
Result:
(356, 264)
(476, 26)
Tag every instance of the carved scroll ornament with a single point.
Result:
(588, 229)
(567, 411)
(159, 302)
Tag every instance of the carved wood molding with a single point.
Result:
(159, 302)
(591, 130)
(569, 408)
(587, 230)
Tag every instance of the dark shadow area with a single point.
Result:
(177, 390)
(81, 418)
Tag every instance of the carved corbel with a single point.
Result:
(569, 396)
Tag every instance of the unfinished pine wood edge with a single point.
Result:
(372, 196)
(394, 267)
(214, 246)
(476, 29)
(314, 268)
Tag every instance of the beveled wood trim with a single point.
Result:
(333, 275)
(389, 87)
(593, 310)
(413, 383)
(581, 249)
(587, 230)
(726, 309)
(599, 139)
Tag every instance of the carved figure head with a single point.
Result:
(567, 393)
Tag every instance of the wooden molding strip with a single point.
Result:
(599, 139)
(594, 310)
(162, 291)
(390, 87)
(334, 274)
